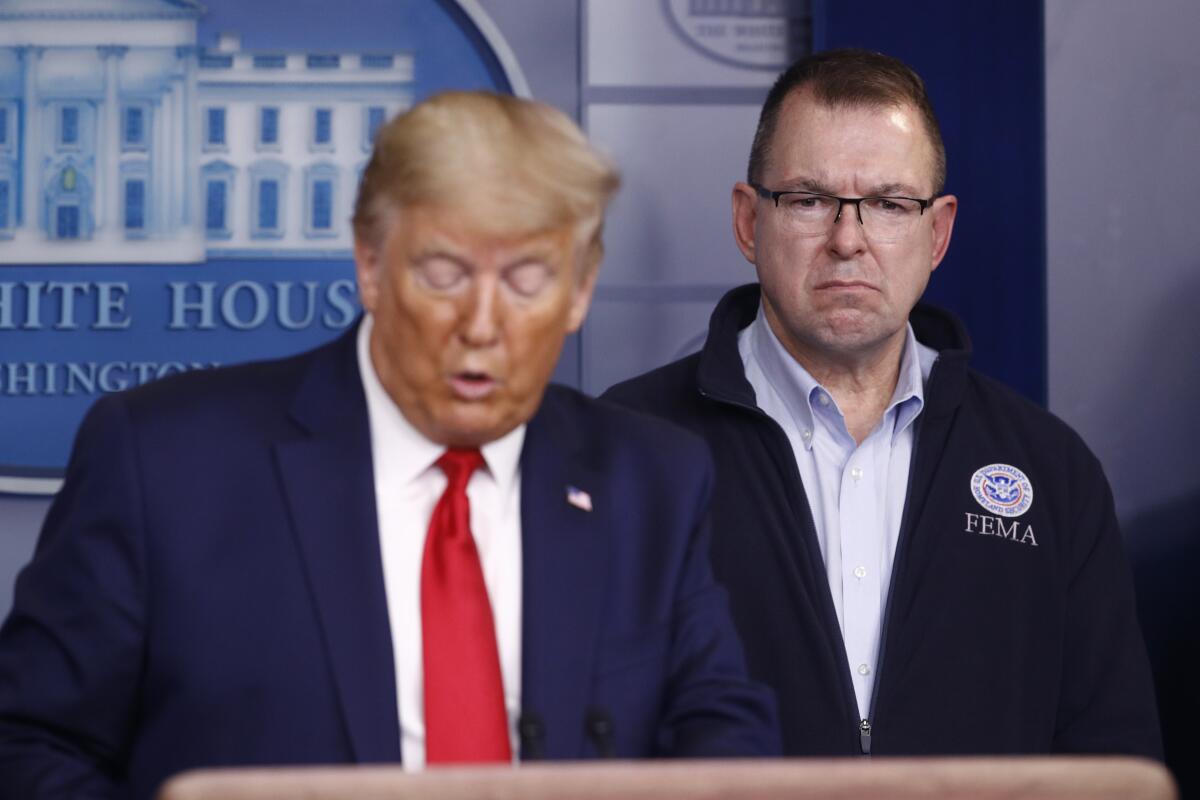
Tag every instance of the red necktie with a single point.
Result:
(465, 720)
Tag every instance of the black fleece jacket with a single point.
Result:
(1001, 634)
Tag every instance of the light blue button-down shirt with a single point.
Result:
(856, 491)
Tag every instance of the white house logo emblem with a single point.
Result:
(755, 34)
(1002, 489)
(176, 183)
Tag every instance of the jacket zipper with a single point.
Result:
(862, 726)
(898, 563)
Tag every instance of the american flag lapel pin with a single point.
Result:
(579, 498)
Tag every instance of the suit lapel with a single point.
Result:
(565, 556)
(328, 481)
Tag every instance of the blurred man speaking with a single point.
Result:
(400, 546)
(919, 560)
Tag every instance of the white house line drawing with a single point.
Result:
(122, 140)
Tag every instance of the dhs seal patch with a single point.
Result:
(1002, 489)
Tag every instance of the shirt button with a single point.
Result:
(806, 435)
(863, 669)
(860, 572)
(856, 473)
(823, 399)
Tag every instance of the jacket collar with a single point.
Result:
(944, 332)
(720, 374)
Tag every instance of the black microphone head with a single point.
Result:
(530, 725)
(532, 732)
(598, 724)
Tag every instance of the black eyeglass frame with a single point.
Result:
(768, 194)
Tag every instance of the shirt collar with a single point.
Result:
(909, 396)
(403, 452)
(801, 393)
(792, 382)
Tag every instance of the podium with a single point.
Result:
(1027, 778)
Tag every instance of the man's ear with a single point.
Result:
(944, 210)
(366, 270)
(745, 214)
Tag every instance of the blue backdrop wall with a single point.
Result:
(983, 64)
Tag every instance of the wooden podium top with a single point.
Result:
(1036, 778)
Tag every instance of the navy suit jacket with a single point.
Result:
(207, 590)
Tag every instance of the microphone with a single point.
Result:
(532, 733)
(598, 725)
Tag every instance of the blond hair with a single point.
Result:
(509, 166)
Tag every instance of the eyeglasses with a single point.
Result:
(884, 218)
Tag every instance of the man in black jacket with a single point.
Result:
(920, 561)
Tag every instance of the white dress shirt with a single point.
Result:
(408, 484)
(856, 491)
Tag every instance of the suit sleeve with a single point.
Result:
(71, 648)
(1107, 694)
(713, 709)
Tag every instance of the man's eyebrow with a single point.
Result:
(537, 248)
(805, 185)
(893, 190)
(437, 250)
(525, 259)
(816, 185)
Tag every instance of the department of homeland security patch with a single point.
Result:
(1002, 489)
